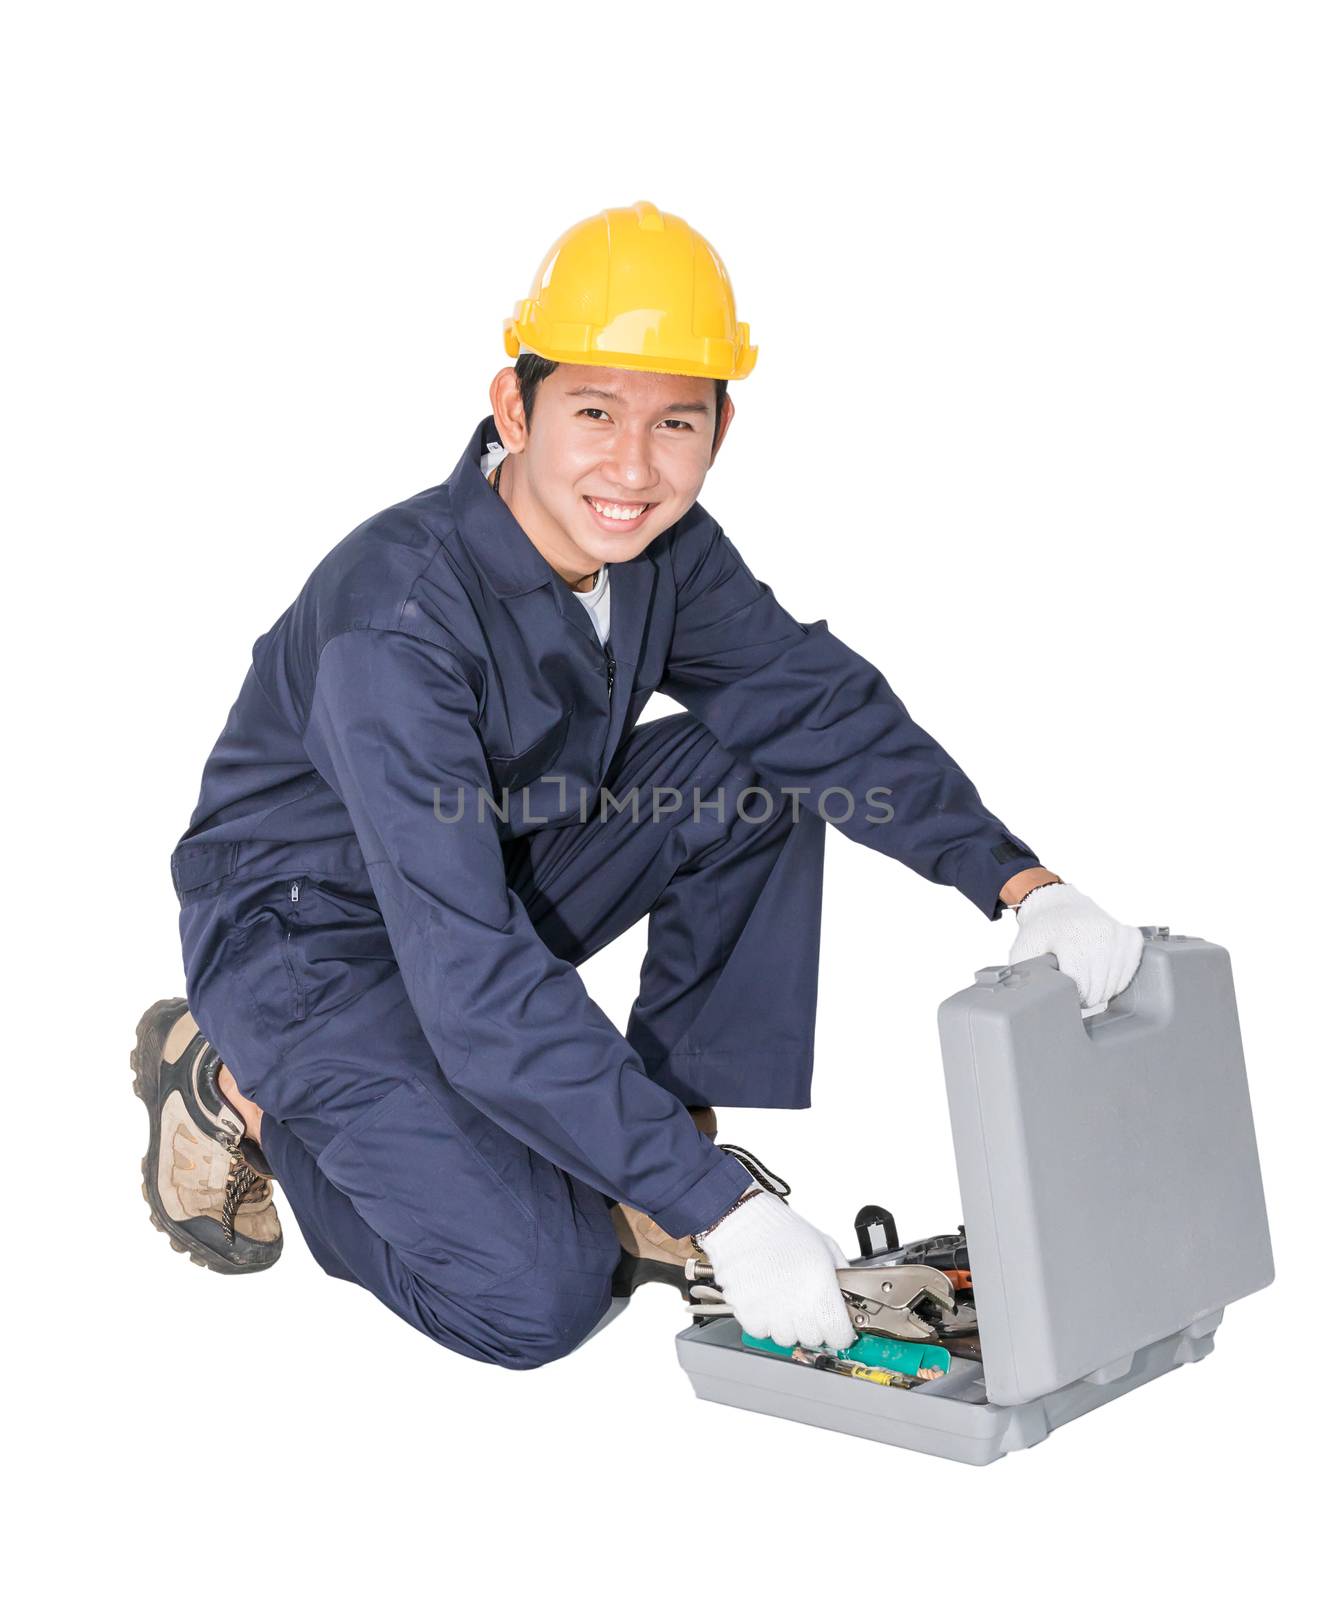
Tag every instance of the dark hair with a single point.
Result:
(532, 371)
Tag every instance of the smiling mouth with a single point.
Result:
(618, 510)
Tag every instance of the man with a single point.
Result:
(432, 801)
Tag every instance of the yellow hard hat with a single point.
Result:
(634, 287)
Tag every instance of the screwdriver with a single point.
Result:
(855, 1369)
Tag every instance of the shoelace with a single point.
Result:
(243, 1182)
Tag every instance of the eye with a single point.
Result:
(593, 412)
(677, 422)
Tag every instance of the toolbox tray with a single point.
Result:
(1113, 1205)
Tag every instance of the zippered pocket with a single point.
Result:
(296, 993)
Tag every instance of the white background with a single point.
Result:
(1033, 428)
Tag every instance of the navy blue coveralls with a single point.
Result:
(431, 802)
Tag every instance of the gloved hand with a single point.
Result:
(1099, 955)
(778, 1274)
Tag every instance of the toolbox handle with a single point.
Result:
(1145, 1004)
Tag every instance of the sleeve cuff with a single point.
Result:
(985, 868)
(705, 1200)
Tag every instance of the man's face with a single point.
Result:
(612, 458)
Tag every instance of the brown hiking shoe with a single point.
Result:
(208, 1185)
(652, 1256)
(649, 1254)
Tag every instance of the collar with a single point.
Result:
(512, 565)
(488, 528)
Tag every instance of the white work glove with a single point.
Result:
(779, 1274)
(1098, 954)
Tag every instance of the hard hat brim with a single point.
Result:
(724, 361)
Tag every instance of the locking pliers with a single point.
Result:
(886, 1300)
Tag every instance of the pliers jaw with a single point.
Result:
(889, 1300)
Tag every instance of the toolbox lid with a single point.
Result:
(1109, 1176)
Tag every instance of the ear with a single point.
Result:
(506, 404)
(724, 423)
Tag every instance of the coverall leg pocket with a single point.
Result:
(420, 1185)
(261, 973)
(241, 985)
(339, 947)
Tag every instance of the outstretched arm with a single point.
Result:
(812, 715)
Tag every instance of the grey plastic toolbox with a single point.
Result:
(1111, 1192)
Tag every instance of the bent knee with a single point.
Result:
(525, 1322)
(553, 1316)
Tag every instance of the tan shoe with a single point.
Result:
(652, 1256)
(641, 1236)
(206, 1183)
(649, 1254)
(643, 1239)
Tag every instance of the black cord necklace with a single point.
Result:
(494, 484)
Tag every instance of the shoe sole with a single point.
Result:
(152, 1031)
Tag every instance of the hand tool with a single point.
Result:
(887, 1300)
(824, 1362)
(890, 1299)
(946, 1251)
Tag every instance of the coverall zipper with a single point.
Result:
(295, 985)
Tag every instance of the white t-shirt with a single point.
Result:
(596, 599)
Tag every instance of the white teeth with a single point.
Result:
(618, 513)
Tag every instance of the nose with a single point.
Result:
(630, 465)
